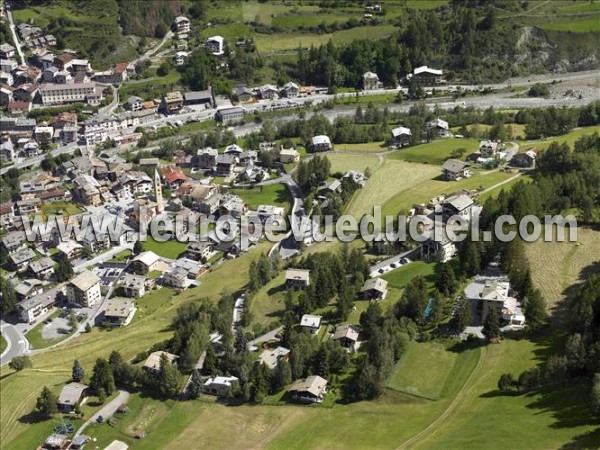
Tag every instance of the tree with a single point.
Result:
(595, 394)
(19, 363)
(464, 316)
(138, 247)
(73, 321)
(507, 383)
(101, 396)
(169, 378)
(446, 282)
(535, 310)
(210, 362)
(241, 341)
(195, 387)
(88, 327)
(282, 376)
(64, 270)
(8, 305)
(77, 373)
(491, 324)
(46, 403)
(102, 377)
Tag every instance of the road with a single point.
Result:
(106, 411)
(17, 343)
(103, 257)
(265, 337)
(153, 50)
(497, 185)
(13, 30)
(109, 109)
(386, 265)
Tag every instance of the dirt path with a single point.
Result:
(442, 418)
(491, 188)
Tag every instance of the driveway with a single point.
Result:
(17, 343)
(265, 337)
(107, 410)
(386, 265)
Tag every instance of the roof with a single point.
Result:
(425, 69)
(346, 332)
(215, 39)
(46, 87)
(71, 393)
(270, 357)
(121, 67)
(439, 123)
(25, 287)
(495, 290)
(308, 320)
(459, 202)
(234, 148)
(85, 280)
(454, 165)
(22, 256)
(401, 131)
(379, 284)
(371, 75)
(68, 247)
(321, 139)
(197, 95)
(314, 385)
(117, 445)
(148, 258)
(153, 361)
(119, 307)
(57, 440)
(226, 381)
(297, 274)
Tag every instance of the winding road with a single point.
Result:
(17, 343)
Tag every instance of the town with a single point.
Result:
(135, 338)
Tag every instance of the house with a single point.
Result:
(232, 114)
(438, 247)
(32, 308)
(21, 259)
(248, 158)
(487, 293)
(17, 108)
(13, 241)
(119, 312)
(289, 155)
(426, 76)
(171, 103)
(374, 289)
(311, 323)
(176, 277)
(7, 51)
(6, 95)
(309, 390)
(232, 205)
(525, 160)
(457, 205)
(181, 25)
(133, 285)
(438, 127)
(42, 269)
(7, 214)
(357, 177)
(401, 136)
(8, 65)
(453, 170)
(267, 92)
(134, 103)
(56, 441)
(219, 386)
(7, 151)
(270, 357)
(71, 396)
(202, 198)
(199, 98)
(225, 164)
(152, 364)
(265, 212)
(80, 67)
(79, 442)
(215, 45)
(84, 289)
(30, 206)
(347, 336)
(145, 263)
(321, 143)
(173, 177)
(297, 278)
(488, 148)
(70, 249)
(200, 250)
(370, 81)
(243, 94)
(205, 158)
(29, 288)
(119, 445)
(290, 90)
(135, 182)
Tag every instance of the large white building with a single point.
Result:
(84, 289)
(58, 94)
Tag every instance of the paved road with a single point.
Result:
(491, 188)
(386, 264)
(265, 337)
(14, 35)
(106, 411)
(17, 343)
(103, 257)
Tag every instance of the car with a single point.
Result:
(381, 270)
(405, 260)
(100, 419)
(393, 265)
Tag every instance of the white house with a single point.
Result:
(311, 323)
(321, 143)
(215, 44)
(84, 289)
(439, 127)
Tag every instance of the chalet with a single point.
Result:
(200, 250)
(30, 309)
(153, 363)
(297, 279)
(205, 158)
(80, 67)
(265, 212)
(7, 214)
(71, 396)
(370, 81)
(18, 108)
(225, 164)
(374, 289)
(357, 177)
(119, 312)
(311, 323)
(202, 198)
(401, 136)
(133, 285)
(232, 205)
(29, 288)
(219, 386)
(525, 160)
(248, 157)
(290, 90)
(488, 149)
(181, 25)
(13, 241)
(453, 170)
(427, 76)
(145, 263)
(289, 155)
(199, 98)
(215, 45)
(84, 289)
(134, 104)
(173, 176)
(309, 390)
(42, 268)
(171, 103)
(86, 190)
(176, 277)
(457, 205)
(438, 127)
(135, 182)
(243, 94)
(347, 336)
(321, 143)
(438, 247)
(232, 114)
(29, 206)
(21, 259)
(487, 293)
(271, 357)
(7, 151)
(233, 149)
(267, 92)
(7, 51)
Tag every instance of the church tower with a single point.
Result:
(158, 193)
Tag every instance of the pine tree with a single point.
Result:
(464, 316)
(102, 377)
(282, 376)
(8, 305)
(169, 378)
(101, 396)
(241, 341)
(446, 282)
(77, 374)
(195, 387)
(491, 324)
(210, 362)
(595, 394)
(64, 270)
(535, 310)
(138, 247)
(46, 403)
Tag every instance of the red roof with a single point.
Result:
(18, 105)
(5, 208)
(121, 67)
(174, 176)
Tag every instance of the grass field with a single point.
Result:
(569, 138)
(271, 194)
(574, 24)
(169, 249)
(65, 208)
(556, 265)
(3, 344)
(435, 152)
(344, 163)
(506, 187)
(267, 305)
(369, 147)
(423, 370)
(424, 191)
